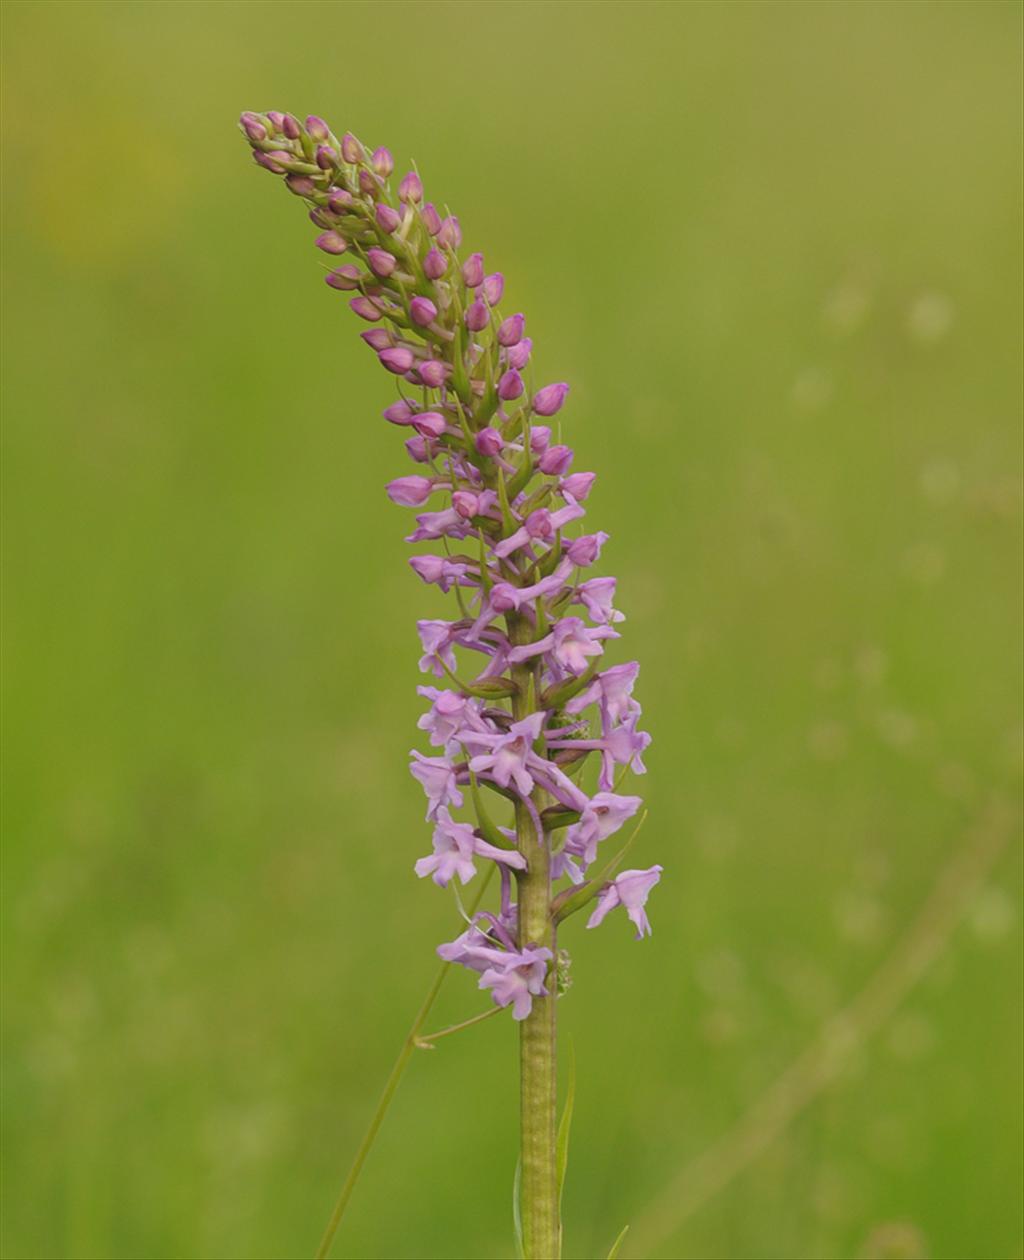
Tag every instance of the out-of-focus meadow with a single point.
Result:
(775, 248)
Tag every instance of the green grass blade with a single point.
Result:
(618, 1243)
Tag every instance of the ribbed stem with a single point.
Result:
(537, 1033)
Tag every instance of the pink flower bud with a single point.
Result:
(290, 127)
(555, 461)
(387, 219)
(326, 157)
(494, 287)
(381, 262)
(339, 199)
(344, 277)
(510, 331)
(366, 308)
(411, 188)
(331, 243)
(351, 150)
(450, 234)
(578, 485)
(382, 162)
(409, 491)
(317, 128)
(473, 270)
(435, 264)
(477, 316)
(377, 338)
(510, 386)
(399, 412)
(368, 182)
(538, 524)
(431, 219)
(398, 360)
(301, 185)
(488, 441)
(252, 126)
(275, 118)
(540, 436)
(419, 449)
(433, 373)
(504, 597)
(275, 161)
(548, 401)
(518, 356)
(430, 424)
(466, 504)
(422, 311)
(584, 551)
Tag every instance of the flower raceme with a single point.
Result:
(495, 497)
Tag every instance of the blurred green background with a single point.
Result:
(776, 250)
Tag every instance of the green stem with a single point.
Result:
(537, 1033)
(397, 1072)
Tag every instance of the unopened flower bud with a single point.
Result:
(381, 262)
(317, 128)
(409, 491)
(382, 162)
(320, 217)
(473, 270)
(344, 277)
(274, 161)
(377, 338)
(411, 188)
(578, 485)
(510, 331)
(301, 185)
(351, 150)
(429, 424)
(432, 373)
(555, 461)
(422, 311)
(276, 119)
(431, 219)
(540, 436)
(326, 157)
(387, 219)
(466, 504)
(397, 359)
(331, 243)
(477, 316)
(435, 264)
(429, 568)
(339, 199)
(518, 356)
(504, 597)
(489, 441)
(510, 386)
(367, 181)
(419, 449)
(449, 234)
(252, 126)
(366, 308)
(399, 412)
(548, 401)
(494, 287)
(538, 524)
(290, 127)
(584, 551)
